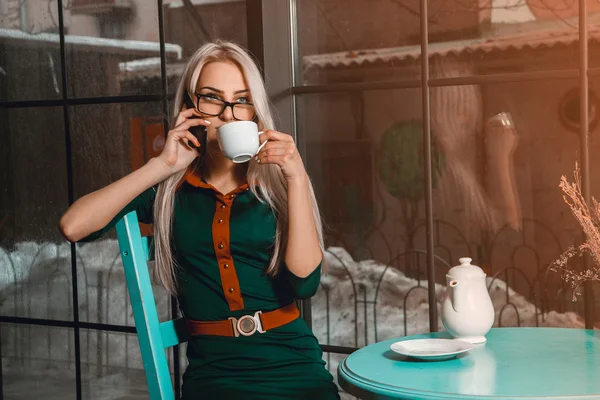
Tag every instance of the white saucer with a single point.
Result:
(431, 349)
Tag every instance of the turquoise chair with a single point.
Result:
(154, 336)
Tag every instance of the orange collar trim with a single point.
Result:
(195, 179)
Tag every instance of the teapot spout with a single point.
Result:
(455, 296)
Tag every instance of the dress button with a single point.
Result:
(232, 196)
(220, 221)
(230, 290)
(221, 245)
(223, 206)
(226, 266)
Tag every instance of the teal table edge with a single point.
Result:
(366, 389)
(370, 389)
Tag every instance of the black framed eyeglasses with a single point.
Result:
(214, 107)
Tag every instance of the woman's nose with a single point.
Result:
(227, 114)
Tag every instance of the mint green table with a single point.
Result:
(514, 363)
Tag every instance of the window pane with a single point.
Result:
(109, 40)
(109, 141)
(190, 27)
(373, 288)
(341, 43)
(478, 172)
(111, 366)
(30, 64)
(505, 36)
(497, 198)
(338, 43)
(38, 362)
(33, 178)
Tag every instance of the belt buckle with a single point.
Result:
(247, 325)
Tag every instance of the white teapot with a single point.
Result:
(467, 310)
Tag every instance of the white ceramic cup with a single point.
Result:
(238, 140)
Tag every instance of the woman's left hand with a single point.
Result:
(281, 150)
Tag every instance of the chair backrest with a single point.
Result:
(154, 337)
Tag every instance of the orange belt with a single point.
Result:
(246, 325)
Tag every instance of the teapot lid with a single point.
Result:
(466, 270)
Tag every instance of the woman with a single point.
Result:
(237, 243)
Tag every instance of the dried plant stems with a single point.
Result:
(589, 219)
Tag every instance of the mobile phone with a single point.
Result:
(198, 131)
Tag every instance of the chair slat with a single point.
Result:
(173, 332)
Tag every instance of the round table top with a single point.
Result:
(514, 363)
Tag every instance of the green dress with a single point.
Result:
(222, 245)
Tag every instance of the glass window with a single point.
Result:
(37, 361)
(498, 189)
(112, 366)
(37, 276)
(498, 151)
(30, 63)
(107, 41)
(362, 153)
(338, 43)
(191, 26)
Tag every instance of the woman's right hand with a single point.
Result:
(177, 153)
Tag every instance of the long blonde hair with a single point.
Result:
(269, 178)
